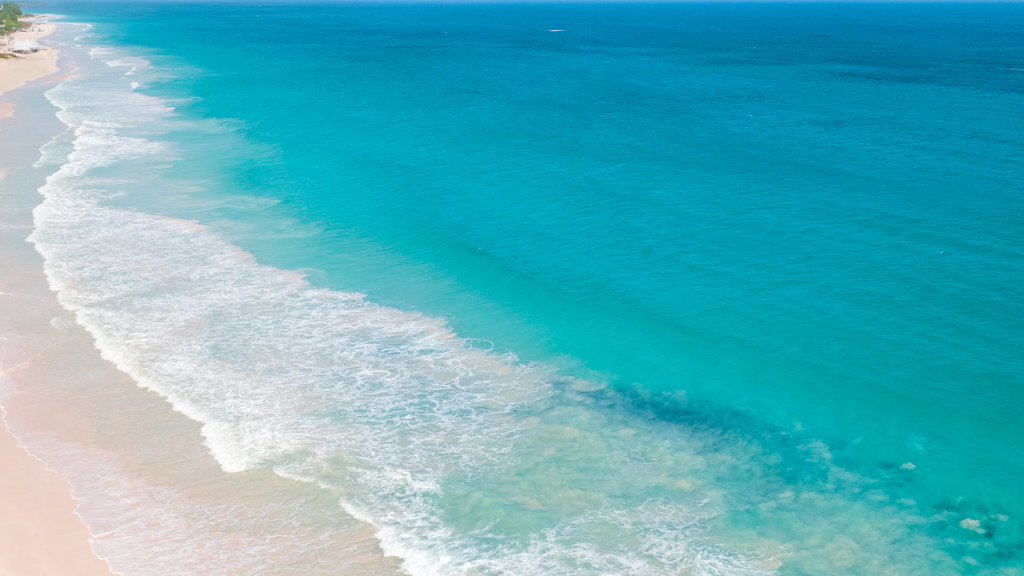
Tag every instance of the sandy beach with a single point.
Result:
(20, 69)
(40, 534)
(97, 475)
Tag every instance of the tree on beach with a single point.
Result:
(9, 15)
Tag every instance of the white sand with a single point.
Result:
(23, 68)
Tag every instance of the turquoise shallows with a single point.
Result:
(649, 289)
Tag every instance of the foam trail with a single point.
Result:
(389, 407)
(465, 460)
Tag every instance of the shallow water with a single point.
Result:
(679, 289)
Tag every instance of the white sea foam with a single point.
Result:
(465, 460)
(389, 407)
(117, 59)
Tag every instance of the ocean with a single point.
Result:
(544, 289)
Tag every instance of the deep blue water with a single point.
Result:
(726, 284)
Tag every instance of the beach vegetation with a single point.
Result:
(10, 13)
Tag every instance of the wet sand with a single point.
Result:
(40, 533)
(148, 496)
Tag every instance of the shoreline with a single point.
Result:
(99, 476)
(40, 530)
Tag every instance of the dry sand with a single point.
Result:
(17, 71)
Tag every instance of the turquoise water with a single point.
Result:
(582, 289)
